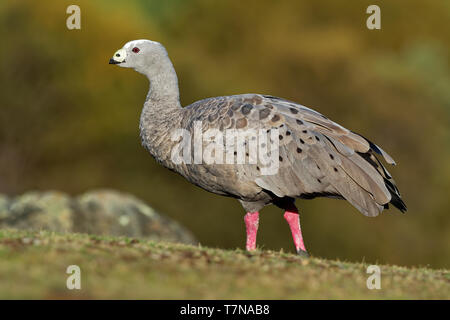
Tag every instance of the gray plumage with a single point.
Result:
(318, 157)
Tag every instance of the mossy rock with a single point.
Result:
(50, 210)
(110, 212)
(101, 212)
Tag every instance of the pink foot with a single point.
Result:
(293, 220)
(251, 223)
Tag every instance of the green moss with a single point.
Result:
(34, 264)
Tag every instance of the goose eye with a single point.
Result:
(135, 50)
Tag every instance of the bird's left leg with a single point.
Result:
(251, 223)
(293, 219)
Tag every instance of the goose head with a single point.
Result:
(144, 56)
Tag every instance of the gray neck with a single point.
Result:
(163, 82)
(162, 112)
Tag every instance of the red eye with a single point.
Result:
(135, 50)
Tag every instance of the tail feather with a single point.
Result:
(396, 199)
(395, 194)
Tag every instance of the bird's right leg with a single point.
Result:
(251, 224)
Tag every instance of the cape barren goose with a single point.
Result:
(315, 157)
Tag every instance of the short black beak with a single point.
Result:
(112, 61)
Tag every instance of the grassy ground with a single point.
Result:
(33, 265)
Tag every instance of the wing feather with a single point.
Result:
(317, 155)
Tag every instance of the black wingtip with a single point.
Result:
(395, 196)
(398, 203)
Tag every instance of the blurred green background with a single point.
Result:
(69, 121)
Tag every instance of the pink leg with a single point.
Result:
(293, 220)
(251, 224)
